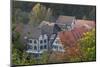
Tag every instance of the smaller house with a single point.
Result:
(66, 22)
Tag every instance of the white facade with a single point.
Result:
(41, 44)
(57, 45)
(38, 45)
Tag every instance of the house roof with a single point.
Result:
(85, 23)
(31, 32)
(46, 27)
(65, 20)
(34, 32)
(69, 38)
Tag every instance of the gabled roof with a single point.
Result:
(65, 20)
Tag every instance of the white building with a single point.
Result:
(45, 37)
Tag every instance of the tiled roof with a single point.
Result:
(65, 19)
(70, 37)
(31, 32)
(84, 23)
(46, 27)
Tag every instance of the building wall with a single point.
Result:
(38, 45)
(42, 42)
(33, 43)
(57, 45)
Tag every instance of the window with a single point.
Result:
(60, 48)
(41, 41)
(35, 42)
(57, 41)
(41, 47)
(35, 47)
(45, 41)
(55, 47)
(30, 41)
(29, 47)
(45, 46)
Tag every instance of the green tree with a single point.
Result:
(40, 13)
(44, 58)
(20, 16)
(21, 58)
(16, 41)
(88, 46)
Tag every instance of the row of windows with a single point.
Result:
(35, 42)
(57, 47)
(36, 47)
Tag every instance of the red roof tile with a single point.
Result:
(70, 37)
(82, 23)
